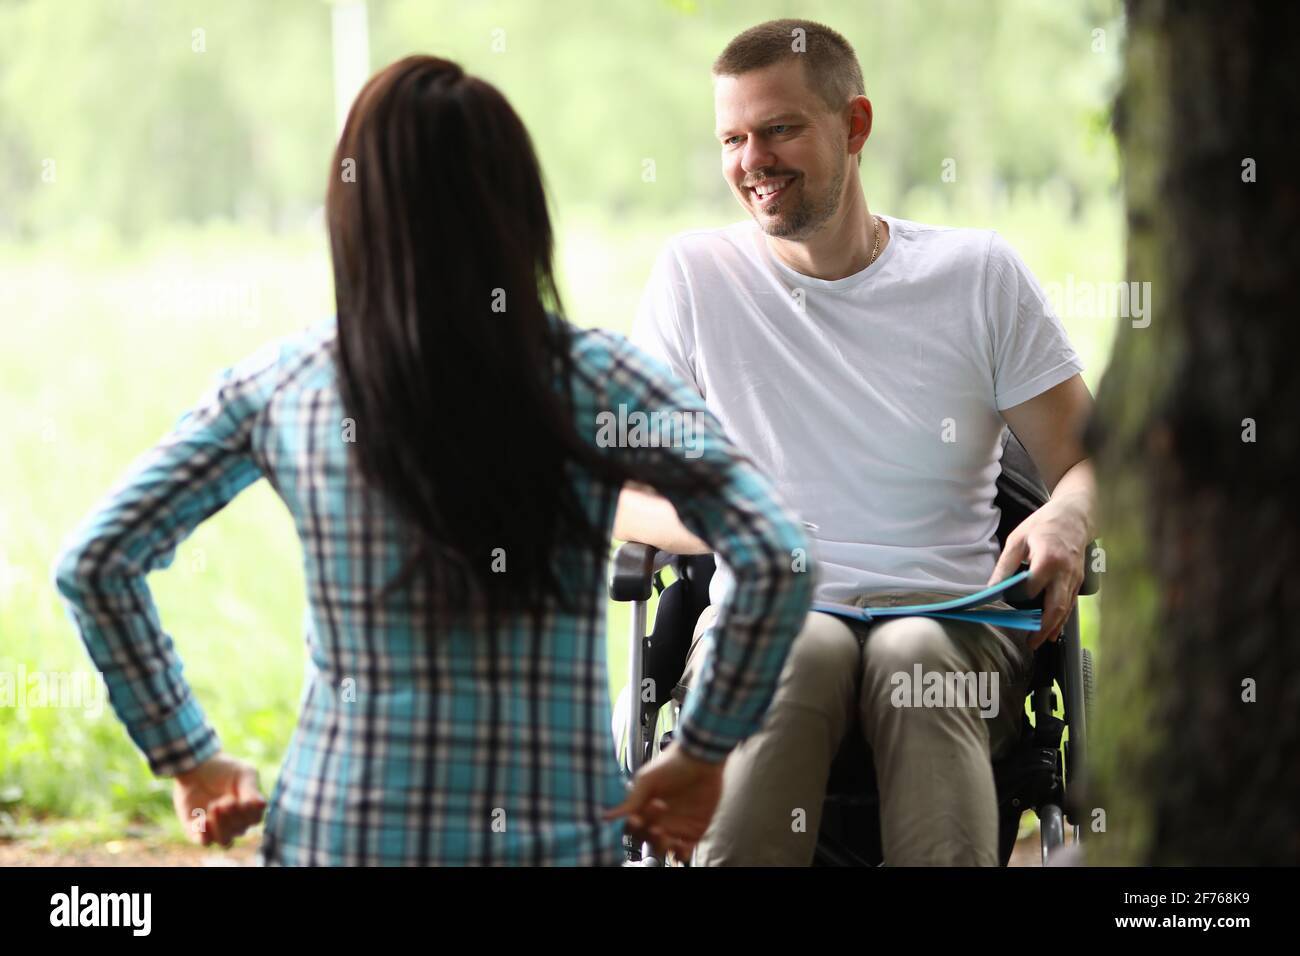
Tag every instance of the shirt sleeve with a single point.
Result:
(658, 328)
(191, 474)
(1031, 351)
(743, 520)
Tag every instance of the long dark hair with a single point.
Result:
(442, 249)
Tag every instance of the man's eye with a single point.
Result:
(730, 140)
(780, 128)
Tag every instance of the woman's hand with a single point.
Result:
(671, 801)
(218, 800)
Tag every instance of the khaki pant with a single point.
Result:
(938, 804)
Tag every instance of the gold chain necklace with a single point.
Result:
(875, 251)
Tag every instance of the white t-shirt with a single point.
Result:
(871, 401)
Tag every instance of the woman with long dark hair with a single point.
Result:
(451, 451)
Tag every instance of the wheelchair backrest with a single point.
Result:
(1021, 491)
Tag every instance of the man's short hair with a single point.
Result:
(830, 65)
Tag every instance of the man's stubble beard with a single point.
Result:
(809, 215)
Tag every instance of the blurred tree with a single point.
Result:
(162, 112)
(1197, 743)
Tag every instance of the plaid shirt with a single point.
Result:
(424, 738)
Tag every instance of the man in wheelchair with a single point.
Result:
(871, 366)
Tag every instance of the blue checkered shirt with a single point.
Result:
(425, 737)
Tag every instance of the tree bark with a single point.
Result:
(1202, 591)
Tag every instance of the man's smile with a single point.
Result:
(769, 190)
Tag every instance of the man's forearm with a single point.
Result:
(650, 519)
(1077, 491)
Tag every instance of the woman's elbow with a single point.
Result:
(77, 568)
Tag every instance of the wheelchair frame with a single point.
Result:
(1033, 773)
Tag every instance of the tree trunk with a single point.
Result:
(1198, 451)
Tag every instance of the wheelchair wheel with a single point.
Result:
(1052, 824)
(1089, 685)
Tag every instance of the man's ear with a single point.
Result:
(860, 116)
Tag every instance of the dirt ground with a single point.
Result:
(131, 851)
(146, 851)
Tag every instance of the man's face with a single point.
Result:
(783, 151)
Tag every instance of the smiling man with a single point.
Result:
(870, 365)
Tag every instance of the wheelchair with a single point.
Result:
(1042, 771)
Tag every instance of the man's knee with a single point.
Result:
(894, 652)
(823, 662)
(900, 644)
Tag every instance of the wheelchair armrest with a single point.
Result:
(632, 578)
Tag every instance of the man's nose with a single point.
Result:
(756, 155)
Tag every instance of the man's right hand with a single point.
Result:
(671, 801)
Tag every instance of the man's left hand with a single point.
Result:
(1053, 539)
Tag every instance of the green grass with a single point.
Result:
(105, 348)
